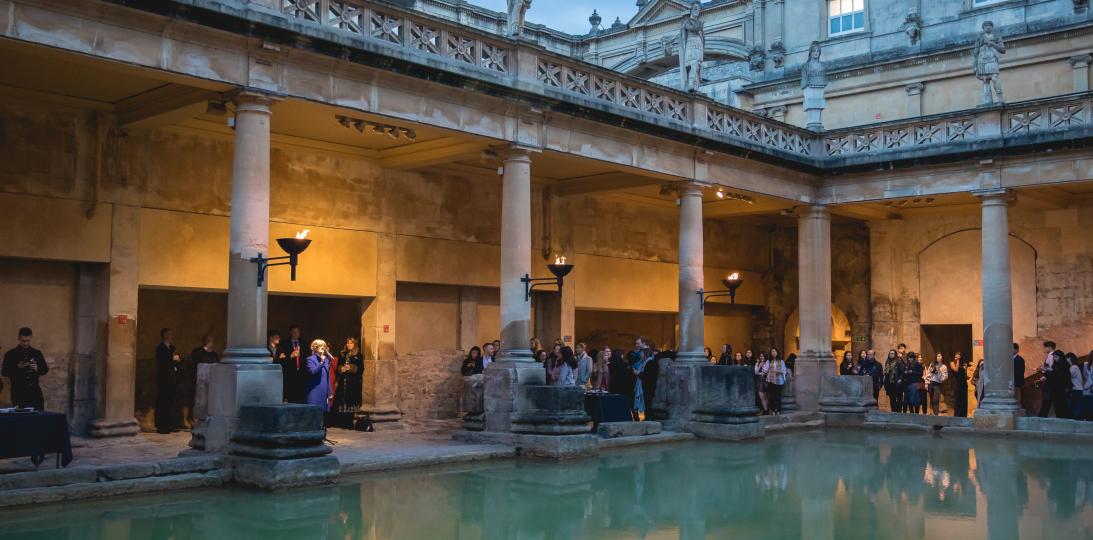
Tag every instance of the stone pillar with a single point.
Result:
(999, 408)
(514, 367)
(380, 400)
(814, 305)
(115, 417)
(246, 375)
(1080, 66)
(914, 99)
(677, 390)
(691, 323)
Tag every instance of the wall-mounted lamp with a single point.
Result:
(293, 246)
(559, 268)
(732, 282)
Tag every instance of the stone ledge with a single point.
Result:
(612, 430)
(109, 489)
(273, 474)
(726, 432)
(794, 426)
(658, 438)
(545, 446)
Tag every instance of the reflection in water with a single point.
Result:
(847, 485)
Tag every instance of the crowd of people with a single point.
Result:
(311, 374)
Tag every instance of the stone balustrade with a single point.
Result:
(526, 67)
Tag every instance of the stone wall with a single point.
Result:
(1062, 287)
(429, 384)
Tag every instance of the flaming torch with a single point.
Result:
(293, 246)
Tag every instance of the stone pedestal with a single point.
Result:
(281, 447)
(551, 410)
(845, 399)
(231, 387)
(725, 404)
(201, 407)
(503, 395)
(814, 105)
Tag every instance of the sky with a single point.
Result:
(569, 16)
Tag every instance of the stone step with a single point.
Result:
(611, 430)
(88, 490)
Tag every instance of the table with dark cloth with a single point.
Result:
(607, 408)
(35, 435)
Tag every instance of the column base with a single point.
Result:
(113, 427)
(810, 368)
(997, 415)
(231, 386)
(503, 396)
(680, 392)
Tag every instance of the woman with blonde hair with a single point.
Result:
(601, 378)
(319, 365)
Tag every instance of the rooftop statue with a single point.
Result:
(692, 49)
(987, 48)
(517, 9)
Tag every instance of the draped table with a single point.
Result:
(35, 435)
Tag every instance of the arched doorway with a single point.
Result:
(840, 332)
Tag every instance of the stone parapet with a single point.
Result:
(551, 410)
(472, 402)
(725, 404)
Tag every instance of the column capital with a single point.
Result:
(914, 89)
(1080, 60)
(994, 196)
(248, 100)
(813, 211)
(515, 152)
(688, 187)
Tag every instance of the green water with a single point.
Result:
(843, 485)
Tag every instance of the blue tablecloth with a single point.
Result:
(607, 408)
(34, 435)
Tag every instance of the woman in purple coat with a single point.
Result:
(319, 390)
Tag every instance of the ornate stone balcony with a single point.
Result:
(446, 50)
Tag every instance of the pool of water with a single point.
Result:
(837, 485)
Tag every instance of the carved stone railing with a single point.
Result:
(526, 67)
(939, 133)
(469, 47)
(552, 74)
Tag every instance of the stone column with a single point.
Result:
(1080, 66)
(246, 375)
(691, 327)
(677, 390)
(514, 366)
(814, 305)
(115, 417)
(380, 400)
(999, 408)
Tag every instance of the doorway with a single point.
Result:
(949, 339)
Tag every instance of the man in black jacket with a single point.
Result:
(24, 365)
(167, 360)
(293, 361)
(1018, 373)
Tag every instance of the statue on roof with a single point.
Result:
(517, 9)
(692, 49)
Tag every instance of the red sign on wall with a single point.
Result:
(386, 329)
(123, 318)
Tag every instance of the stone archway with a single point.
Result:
(840, 332)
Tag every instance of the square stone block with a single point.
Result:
(272, 474)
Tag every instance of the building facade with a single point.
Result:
(394, 132)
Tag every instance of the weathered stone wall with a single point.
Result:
(1062, 287)
(429, 384)
(41, 295)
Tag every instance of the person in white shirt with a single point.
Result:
(1077, 386)
(487, 355)
(776, 381)
(935, 375)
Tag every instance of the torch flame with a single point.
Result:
(734, 275)
(302, 234)
(559, 259)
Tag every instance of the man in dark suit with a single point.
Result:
(24, 365)
(1018, 373)
(167, 361)
(292, 357)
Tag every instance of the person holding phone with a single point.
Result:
(23, 365)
